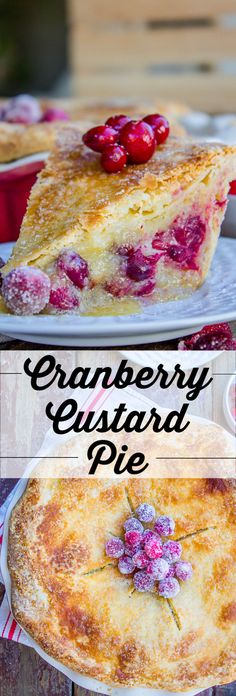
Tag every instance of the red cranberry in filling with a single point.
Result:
(189, 232)
(125, 250)
(145, 288)
(117, 122)
(119, 287)
(140, 267)
(160, 127)
(74, 266)
(138, 140)
(99, 137)
(63, 298)
(182, 255)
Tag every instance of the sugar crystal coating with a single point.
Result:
(149, 534)
(169, 587)
(153, 548)
(143, 582)
(145, 512)
(132, 523)
(140, 559)
(131, 550)
(133, 537)
(126, 565)
(26, 290)
(164, 525)
(183, 570)
(158, 568)
(114, 547)
(172, 551)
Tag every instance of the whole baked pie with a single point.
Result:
(94, 241)
(78, 599)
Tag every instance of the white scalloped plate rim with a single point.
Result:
(214, 302)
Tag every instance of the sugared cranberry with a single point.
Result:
(153, 548)
(171, 572)
(169, 587)
(22, 109)
(149, 534)
(164, 525)
(213, 337)
(133, 537)
(140, 267)
(140, 559)
(118, 121)
(54, 115)
(138, 140)
(74, 266)
(143, 582)
(114, 547)
(126, 565)
(131, 550)
(160, 127)
(172, 551)
(26, 290)
(113, 159)
(99, 137)
(63, 298)
(132, 523)
(158, 568)
(145, 512)
(183, 570)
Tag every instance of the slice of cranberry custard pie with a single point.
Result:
(104, 230)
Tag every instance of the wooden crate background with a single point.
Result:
(182, 50)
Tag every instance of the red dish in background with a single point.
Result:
(16, 181)
(232, 190)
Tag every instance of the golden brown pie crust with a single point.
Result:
(74, 602)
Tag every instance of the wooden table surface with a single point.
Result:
(22, 671)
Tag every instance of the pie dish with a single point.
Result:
(150, 230)
(70, 597)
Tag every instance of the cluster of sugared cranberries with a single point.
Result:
(26, 110)
(27, 290)
(153, 562)
(124, 141)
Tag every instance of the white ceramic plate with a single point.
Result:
(214, 302)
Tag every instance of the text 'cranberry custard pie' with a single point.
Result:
(139, 218)
(130, 583)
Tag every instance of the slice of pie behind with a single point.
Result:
(149, 231)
